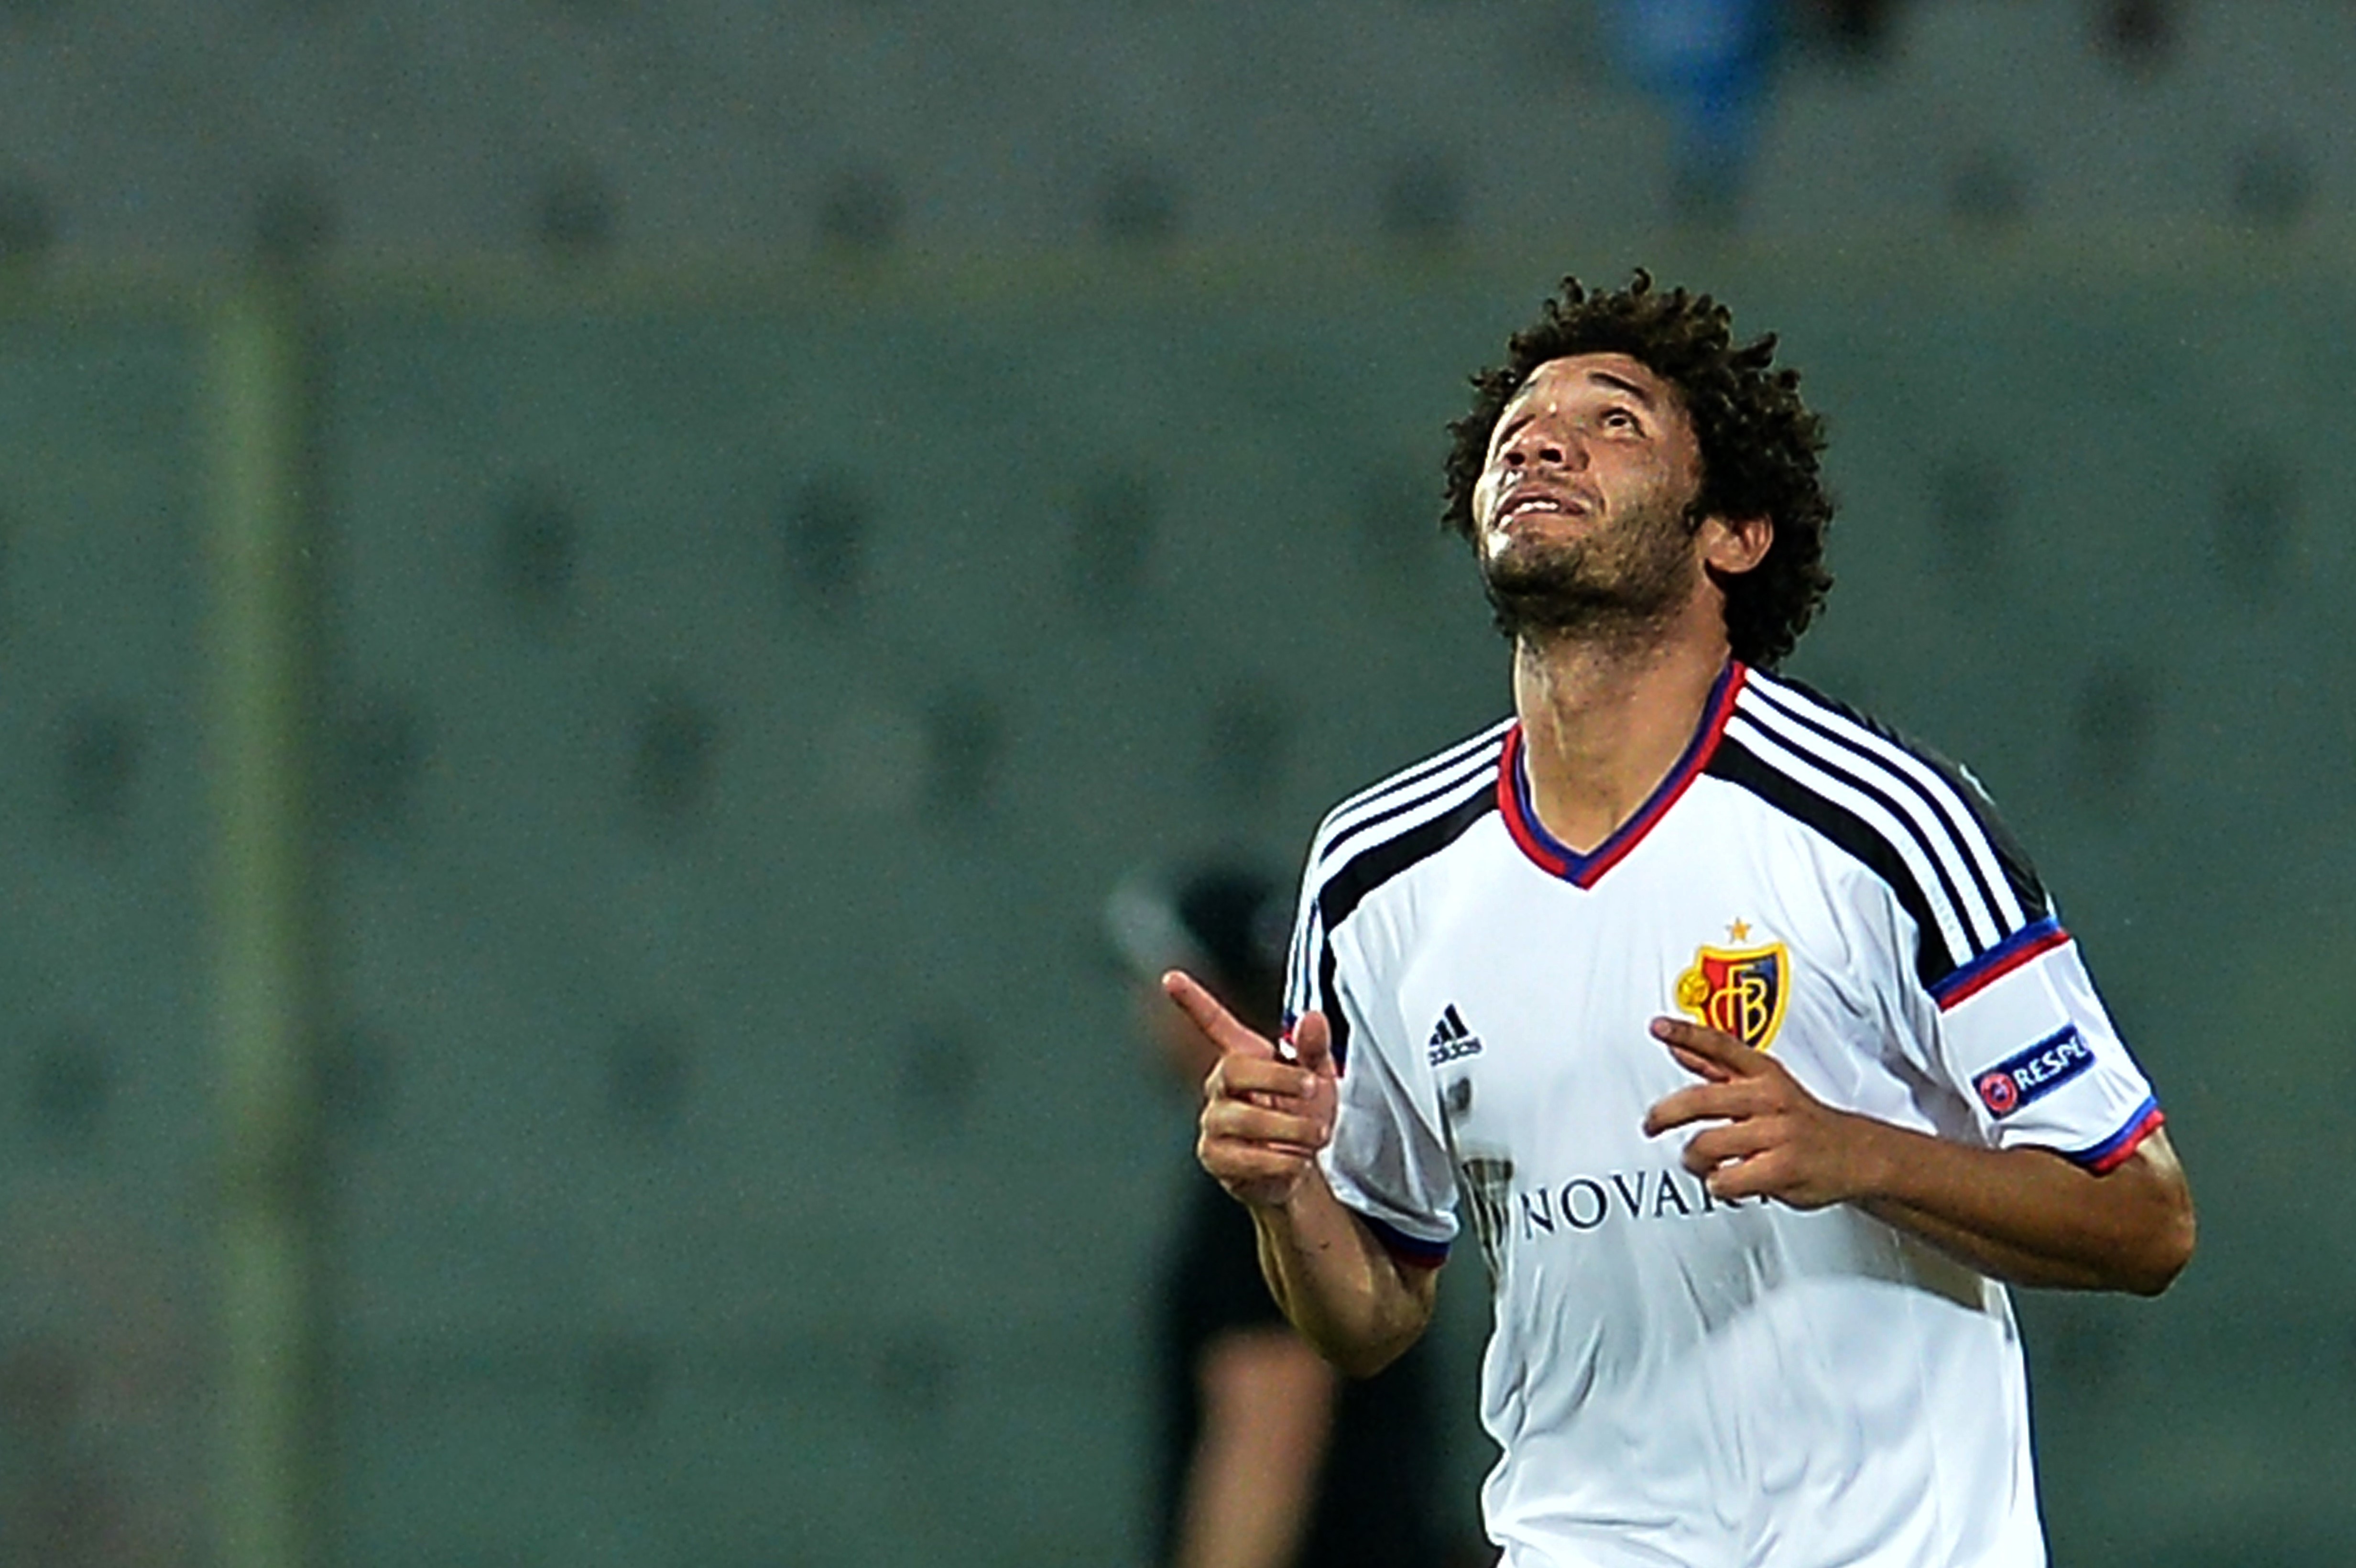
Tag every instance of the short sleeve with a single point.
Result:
(2016, 1026)
(2035, 1054)
(1388, 1162)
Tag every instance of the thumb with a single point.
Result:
(1312, 1045)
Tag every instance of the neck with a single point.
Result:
(1604, 720)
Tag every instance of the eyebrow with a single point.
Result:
(1633, 390)
(1507, 426)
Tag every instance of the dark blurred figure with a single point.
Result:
(1267, 1457)
(2139, 36)
(1857, 29)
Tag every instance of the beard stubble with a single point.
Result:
(1620, 583)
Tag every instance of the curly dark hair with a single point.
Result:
(1759, 441)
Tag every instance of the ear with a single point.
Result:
(1729, 548)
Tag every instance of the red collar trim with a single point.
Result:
(1559, 859)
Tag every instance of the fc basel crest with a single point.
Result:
(1739, 991)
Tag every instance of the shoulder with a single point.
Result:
(1371, 840)
(1387, 827)
(1921, 823)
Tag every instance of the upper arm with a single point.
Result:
(2156, 1183)
(1397, 1292)
(1388, 1161)
(2034, 1056)
(2028, 1044)
(1421, 1282)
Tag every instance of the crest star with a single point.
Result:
(1738, 932)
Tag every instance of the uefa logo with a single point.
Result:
(1998, 1091)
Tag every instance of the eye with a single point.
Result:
(1617, 418)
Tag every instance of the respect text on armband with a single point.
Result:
(2034, 1074)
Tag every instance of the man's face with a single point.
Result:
(1580, 512)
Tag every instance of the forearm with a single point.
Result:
(2026, 1215)
(1267, 1410)
(1241, 1514)
(1339, 1287)
(2031, 1217)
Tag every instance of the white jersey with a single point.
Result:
(1673, 1379)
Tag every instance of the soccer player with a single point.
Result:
(1737, 1027)
(1266, 1459)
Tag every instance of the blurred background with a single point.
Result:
(593, 595)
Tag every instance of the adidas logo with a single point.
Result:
(1450, 1039)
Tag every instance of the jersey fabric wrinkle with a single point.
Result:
(1675, 1378)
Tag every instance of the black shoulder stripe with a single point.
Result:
(1337, 1022)
(1340, 895)
(1738, 765)
(1370, 868)
(1470, 766)
(1904, 795)
(2027, 885)
(2019, 872)
(1439, 762)
(1878, 784)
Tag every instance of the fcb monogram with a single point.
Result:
(1738, 991)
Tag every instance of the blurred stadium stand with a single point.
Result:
(740, 671)
(146, 131)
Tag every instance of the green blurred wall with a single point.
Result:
(735, 699)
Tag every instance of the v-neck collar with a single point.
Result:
(1558, 859)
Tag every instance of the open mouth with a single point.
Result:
(1539, 502)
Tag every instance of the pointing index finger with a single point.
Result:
(1220, 1027)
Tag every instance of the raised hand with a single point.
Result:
(1777, 1141)
(1264, 1118)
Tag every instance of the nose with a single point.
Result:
(1543, 444)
